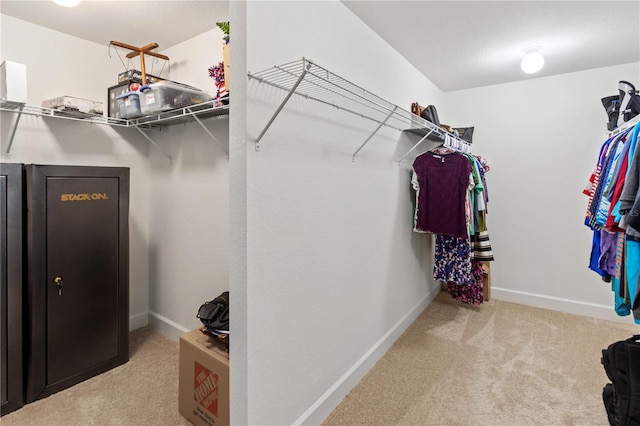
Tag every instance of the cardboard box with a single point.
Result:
(13, 82)
(204, 380)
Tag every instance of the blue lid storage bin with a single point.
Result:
(129, 105)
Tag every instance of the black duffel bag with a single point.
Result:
(215, 313)
(621, 361)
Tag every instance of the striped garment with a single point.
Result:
(481, 247)
(595, 179)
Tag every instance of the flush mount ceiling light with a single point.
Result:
(533, 61)
(67, 3)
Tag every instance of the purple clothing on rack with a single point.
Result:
(443, 180)
(607, 260)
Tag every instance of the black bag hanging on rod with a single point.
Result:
(622, 107)
(611, 105)
(629, 102)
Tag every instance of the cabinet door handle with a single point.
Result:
(57, 281)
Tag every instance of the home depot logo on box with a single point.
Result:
(205, 388)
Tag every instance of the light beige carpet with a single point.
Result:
(497, 364)
(143, 391)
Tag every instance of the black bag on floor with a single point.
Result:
(621, 397)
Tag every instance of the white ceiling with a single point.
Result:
(465, 44)
(136, 23)
(456, 44)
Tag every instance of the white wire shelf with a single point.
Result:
(311, 81)
(155, 121)
(62, 114)
(181, 115)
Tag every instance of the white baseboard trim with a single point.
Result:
(164, 325)
(138, 321)
(559, 304)
(336, 393)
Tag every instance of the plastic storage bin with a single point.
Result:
(166, 95)
(129, 105)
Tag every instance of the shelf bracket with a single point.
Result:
(382, 123)
(195, 117)
(151, 140)
(7, 153)
(305, 67)
(416, 145)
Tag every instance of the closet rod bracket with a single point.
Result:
(7, 153)
(305, 67)
(195, 117)
(152, 141)
(416, 145)
(382, 123)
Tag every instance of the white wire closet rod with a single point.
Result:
(307, 79)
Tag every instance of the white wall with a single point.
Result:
(542, 137)
(190, 60)
(189, 201)
(54, 69)
(238, 368)
(334, 271)
(58, 64)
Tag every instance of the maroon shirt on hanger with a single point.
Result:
(443, 181)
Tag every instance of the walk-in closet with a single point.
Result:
(305, 186)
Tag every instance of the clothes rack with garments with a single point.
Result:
(613, 215)
(451, 203)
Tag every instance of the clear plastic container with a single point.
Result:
(129, 105)
(166, 95)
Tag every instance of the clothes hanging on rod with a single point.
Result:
(613, 193)
(451, 202)
(441, 181)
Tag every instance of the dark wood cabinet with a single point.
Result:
(11, 287)
(78, 274)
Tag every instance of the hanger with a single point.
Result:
(451, 143)
(442, 150)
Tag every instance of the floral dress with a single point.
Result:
(452, 262)
(472, 294)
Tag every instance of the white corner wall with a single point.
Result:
(58, 65)
(189, 210)
(334, 273)
(238, 147)
(542, 137)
